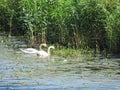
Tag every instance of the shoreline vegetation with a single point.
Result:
(75, 27)
(86, 54)
(82, 54)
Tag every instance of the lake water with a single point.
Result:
(19, 71)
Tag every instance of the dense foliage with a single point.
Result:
(71, 23)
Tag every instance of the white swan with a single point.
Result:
(44, 54)
(32, 50)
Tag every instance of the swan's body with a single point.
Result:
(32, 50)
(29, 50)
(44, 54)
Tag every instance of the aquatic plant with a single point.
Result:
(83, 54)
(71, 23)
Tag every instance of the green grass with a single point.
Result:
(86, 54)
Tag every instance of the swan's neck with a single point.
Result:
(40, 48)
(49, 50)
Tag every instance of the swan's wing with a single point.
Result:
(29, 50)
(42, 53)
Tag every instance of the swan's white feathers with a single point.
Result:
(32, 50)
(40, 52)
(44, 54)
(29, 50)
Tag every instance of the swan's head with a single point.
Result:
(52, 47)
(44, 44)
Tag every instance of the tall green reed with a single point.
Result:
(71, 23)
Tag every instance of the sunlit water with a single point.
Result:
(19, 71)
